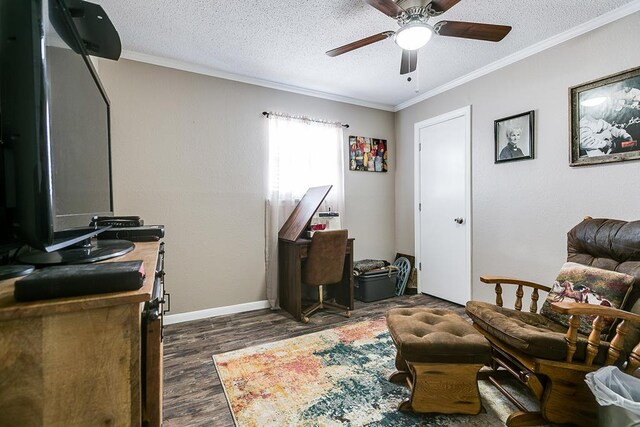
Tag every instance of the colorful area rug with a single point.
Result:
(332, 378)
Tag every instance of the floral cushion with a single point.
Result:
(588, 285)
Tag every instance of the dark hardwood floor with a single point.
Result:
(193, 395)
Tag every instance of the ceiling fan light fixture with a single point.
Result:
(414, 35)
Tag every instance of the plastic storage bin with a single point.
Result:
(375, 285)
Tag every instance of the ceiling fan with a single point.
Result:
(414, 31)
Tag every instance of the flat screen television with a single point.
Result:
(55, 118)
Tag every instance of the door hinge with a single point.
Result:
(419, 207)
(420, 266)
(420, 146)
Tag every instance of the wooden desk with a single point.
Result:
(77, 361)
(291, 255)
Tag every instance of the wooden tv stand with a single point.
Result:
(79, 361)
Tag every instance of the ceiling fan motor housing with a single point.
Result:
(414, 31)
(423, 9)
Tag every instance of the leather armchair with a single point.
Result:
(551, 359)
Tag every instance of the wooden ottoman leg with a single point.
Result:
(399, 377)
(445, 388)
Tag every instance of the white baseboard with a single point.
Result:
(170, 319)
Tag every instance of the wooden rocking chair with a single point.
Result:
(551, 360)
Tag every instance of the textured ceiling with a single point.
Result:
(284, 41)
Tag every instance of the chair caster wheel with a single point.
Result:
(305, 319)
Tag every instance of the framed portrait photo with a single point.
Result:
(514, 137)
(605, 119)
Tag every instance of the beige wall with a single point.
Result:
(522, 210)
(189, 152)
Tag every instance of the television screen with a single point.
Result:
(55, 125)
(79, 133)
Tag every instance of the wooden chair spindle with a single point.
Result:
(594, 340)
(533, 308)
(634, 360)
(572, 336)
(519, 295)
(498, 295)
(617, 344)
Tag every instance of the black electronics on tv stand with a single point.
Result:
(147, 233)
(117, 221)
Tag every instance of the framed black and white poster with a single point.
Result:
(605, 119)
(514, 137)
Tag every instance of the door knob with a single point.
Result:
(458, 220)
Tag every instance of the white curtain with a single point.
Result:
(302, 153)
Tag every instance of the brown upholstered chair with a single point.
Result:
(325, 266)
(551, 359)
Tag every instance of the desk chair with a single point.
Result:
(325, 266)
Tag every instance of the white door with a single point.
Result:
(443, 205)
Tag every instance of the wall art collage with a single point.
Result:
(367, 154)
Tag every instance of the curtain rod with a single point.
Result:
(264, 113)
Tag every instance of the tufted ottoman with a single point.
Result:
(439, 354)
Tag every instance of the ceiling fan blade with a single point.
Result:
(387, 7)
(409, 61)
(360, 43)
(472, 30)
(443, 5)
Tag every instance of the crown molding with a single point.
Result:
(605, 19)
(207, 71)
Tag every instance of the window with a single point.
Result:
(303, 153)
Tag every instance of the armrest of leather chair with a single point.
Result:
(500, 280)
(617, 343)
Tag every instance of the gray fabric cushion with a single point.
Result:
(429, 335)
